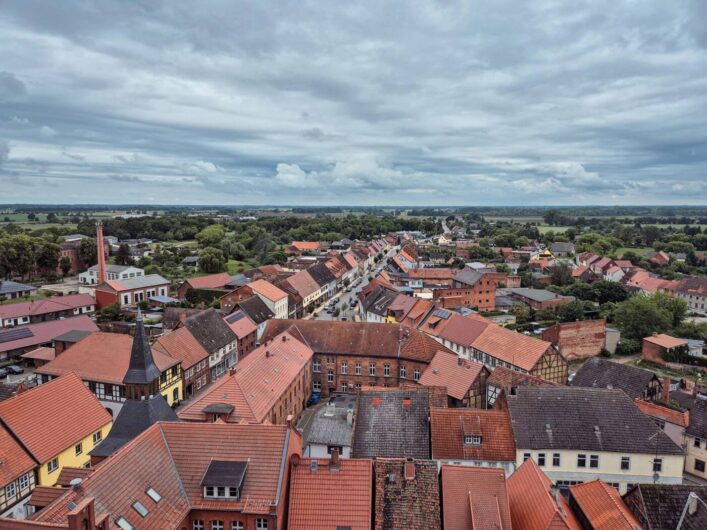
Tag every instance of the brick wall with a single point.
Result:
(652, 352)
(578, 340)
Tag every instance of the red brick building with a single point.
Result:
(656, 346)
(131, 291)
(578, 340)
(472, 289)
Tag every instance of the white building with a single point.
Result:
(113, 272)
(273, 297)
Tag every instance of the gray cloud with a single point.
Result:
(485, 102)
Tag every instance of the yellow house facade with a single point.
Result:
(621, 470)
(696, 458)
(76, 455)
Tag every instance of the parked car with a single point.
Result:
(3, 372)
(15, 370)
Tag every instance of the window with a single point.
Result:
(555, 459)
(153, 494)
(594, 461)
(330, 376)
(316, 386)
(403, 372)
(10, 491)
(140, 508)
(625, 463)
(658, 465)
(344, 368)
(78, 449)
(97, 437)
(416, 374)
(472, 440)
(541, 459)
(197, 525)
(53, 464)
(526, 456)
(24, 482)
(316, 367)
(237, 525)
(261, 524)
(372, 369)
(581, 460)
(357, 369)
(344, 387)
(386, 370)
(100, 390)
(122, 523)
(216, 525)
(696, 443)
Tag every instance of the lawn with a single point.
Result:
(544, 229)
(637, 250)
(235, 266)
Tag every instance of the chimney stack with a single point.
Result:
(665, 396)
(334, 463)
(349, 417)
(100, 253)
(409, 469)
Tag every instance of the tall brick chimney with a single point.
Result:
(665, 396)
(100, 253)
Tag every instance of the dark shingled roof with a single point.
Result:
(228, 473)
(75, 335)
(601, 373)
(172, 315)
(468, 276)
(379, 299)
(135, 417)
(589, 419)
(698, 419)
(321, 274)
(142, 369)
(665, 503)
(392, 424)
(256, 309)
(210, 330)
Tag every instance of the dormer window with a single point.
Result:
(224, 479)
(472, 440)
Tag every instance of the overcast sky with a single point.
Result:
(367, 102)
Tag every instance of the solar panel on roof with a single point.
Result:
(15, 334)
(441, 313)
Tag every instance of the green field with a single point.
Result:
(638, 250)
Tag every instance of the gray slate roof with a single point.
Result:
(601, 373)
(210, 330)
(538, 295)
(588, 419)
(8, 286)
(379, 299)
(321, 274)
(256, 309)
(142, 369)
(468, 276)
(329, 427)
(664, 504)
(698, 419)
(385, 427)
(561, 246)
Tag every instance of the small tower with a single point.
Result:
(100, 253)
(142, 379)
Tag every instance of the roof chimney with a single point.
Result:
(334, 463)
(349, 417)
(665, 395)
(692, 503)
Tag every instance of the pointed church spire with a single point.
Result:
(142, 369)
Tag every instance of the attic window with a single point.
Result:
(153, 494)
(140, 508)
(472, 440)
(122, 523)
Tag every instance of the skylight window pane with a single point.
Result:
(153, 494)
(122, 523)
(140, 508)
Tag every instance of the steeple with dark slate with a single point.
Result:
(142, 374)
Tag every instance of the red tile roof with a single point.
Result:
(45, 332)
(603, 507)
(54, 416)
(658, 410)
(534, 505)
(327, 499)
(462, 330)
(449, 426)
(506, 378)
(44, 306)
(306, 245)
(13, 458)
(212, 281)
(260, 379)
(514, 348)
(474, 498)
(43, 353)
(303, 283)
(665, 341)
(44, 495)
(101, 357)
(242, 327)
(432, 274)
(268, 290)
(453, 372)
(180, 344)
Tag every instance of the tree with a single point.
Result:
(571, 311)
(109, 313)
(677, 307)
(212, 260)
(47, 257)
(347, 282)
(123, 257)
(561, 274)
(87, 251)
(65, 265)
(520, 311)
(211, 235)
(552, 217)
(640, 316)
(609, 292)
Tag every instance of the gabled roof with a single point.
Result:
(45, 306)
(392, 423)
(698, 417)
(379, 300)
(256, 310)
(331, 497)
(449, 426)
(211, 281)
(241, 324)
(475, 498)
(303, 283)
(54, 416)
(468, 276)
(602, 373)
(43, 332)
(430, 273)
(665, 341)
(306, 245)
(453, 372)
(512, 347)
(590, 419)
(268, 290)
(8, 286)
(209, 329)
(602, 506)
(139, 282)
(402, 303)
(664, 504)
(461, 330)
(15, 460)
(534, 505)
(180, 344)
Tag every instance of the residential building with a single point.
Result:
(217, 338)
(634, 381)
(406, 494)
(577, 340)
(539, 299)
(473, 498)
(562, 249)
(16, 341)
(471, 288)
(464, 380)
(374, 307)
(214, 282)
(668, 506)
(331, 428)
(672, 419)
(473, 437)
(258, 312)
(274, 298)
(131, 291)
(331, 494)
(43, 310)
(271, 384)
(246, 332)
(321, 274)
(504, 381)
(113, 272)
(193, 476)
(299, 247)
(580, 434)
(17, 476)
(57, 424)
(534, 504)
(693, 289)
(392, 424)
(10, 290)
(599, 506)
(116, 367)
(696, 440)
(180, 344)
(307, 287)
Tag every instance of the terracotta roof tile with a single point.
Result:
(514, 348)
(45, 306)
(180, 344)
(44, 495)
(306, 245)
(268, 290)
(453, 372)
(43, 353)
(475, 498)
(240, 324)
(15, 460)
(462, 330)
(449, 426)
(330, 498)
(211, 281)
(67, 474)
(602, 506)
(665, 341)
(54, 416)
(303, 283)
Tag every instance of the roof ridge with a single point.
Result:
(171, 458)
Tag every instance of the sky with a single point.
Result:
(493, 102)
